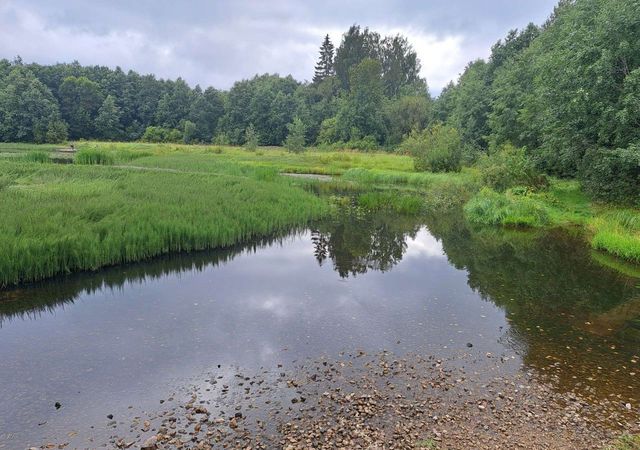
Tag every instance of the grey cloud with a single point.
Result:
(217, 42)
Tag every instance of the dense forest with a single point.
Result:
(567, 92)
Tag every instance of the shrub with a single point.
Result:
(510, 167)
(159, 134)
(328, 133)
(437, 149)
(250, 138)
(93, 156)
(221, 139)
(367, 144)
(612, 175)
(489, 207)
(295, 139)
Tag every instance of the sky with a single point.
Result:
(217, 42)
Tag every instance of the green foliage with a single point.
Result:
(159, 134)
(406, 114)
(492, 208)
(28, 110)
(189, 132)
(295, 139)
(328, 131)
(250, 138)
(324, 68)
(93, 156)
(56, 132)
(612, 175)
(80, 100)
(108, 120)
(437, 149)
(360, 114)
(509, 167)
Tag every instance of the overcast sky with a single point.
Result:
(216, 42)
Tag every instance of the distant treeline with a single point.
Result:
(562, 90)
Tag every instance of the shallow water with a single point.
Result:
(129, 336)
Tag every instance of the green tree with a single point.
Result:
(189, 132)
(80, 100)
(251, 139)
(107, 122)
(406, 114)
(324, 68)
(27, 108)
(360, 114)
(174, 105)
(295, 139)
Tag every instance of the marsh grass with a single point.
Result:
(37, 156)
(64, 218)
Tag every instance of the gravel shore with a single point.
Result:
(360, 401)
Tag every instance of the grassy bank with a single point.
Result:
(611, 229)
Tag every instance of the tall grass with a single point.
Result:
(94, 156)
(492, 208)
(391, 201)
(38, 156)
(618, 232)
(62, 218)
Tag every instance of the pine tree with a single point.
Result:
(324, 68)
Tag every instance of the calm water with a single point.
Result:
(98, 343)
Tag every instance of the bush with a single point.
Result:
(250, 138)
(437, 149)
(295, 139)
(328, 133)
(612, 175)
(367, 144)
(489, 207)
(159, 134)
(510, 167)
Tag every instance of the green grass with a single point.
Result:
(91, 156)
(63, 218)
(626, 442)
(618, 233)
(391, 201)
(38, 156)
(492, 208)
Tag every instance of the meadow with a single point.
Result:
(114, 203)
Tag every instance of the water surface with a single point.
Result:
(128, 336)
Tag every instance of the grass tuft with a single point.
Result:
(492, 208)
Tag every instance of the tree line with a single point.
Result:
(360, 86)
